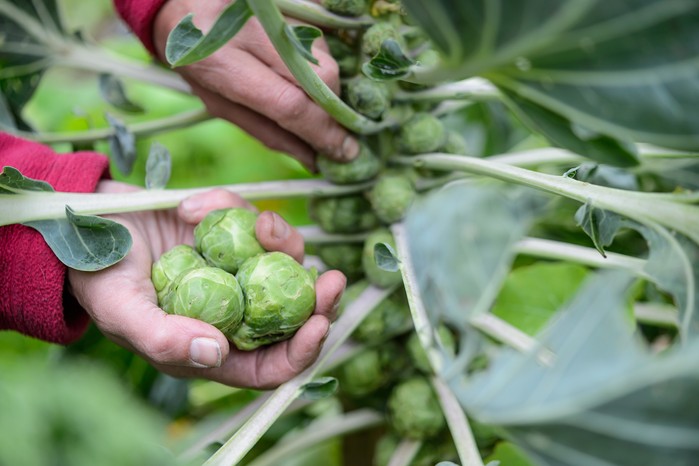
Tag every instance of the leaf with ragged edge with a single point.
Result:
(122, 145)
(462, 243)
(112, 91)
(386, 258)
(319, 389)
(187, 44)
(158, 167)
(604, 400)
(85, 242)
(302, 38)
(600, 225)
(389, 63)
(625, 69)
(13, 182)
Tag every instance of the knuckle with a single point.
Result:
(290, 103)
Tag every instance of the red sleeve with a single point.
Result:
(31, 277)
(140, 15)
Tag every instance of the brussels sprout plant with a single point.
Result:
(522, 222)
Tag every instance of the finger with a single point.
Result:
(275, 234)
(329, 288)
(194, 208)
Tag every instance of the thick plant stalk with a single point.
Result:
(314, 13)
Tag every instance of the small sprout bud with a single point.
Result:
(171, 264)
(371, 369)
(344, 214)
(455, 144)
(417, 352)
(389, 319)
(365, 167)
(347, 258)
(209, 294)
(226, 238)
(376, 34)
(279, 297)
(375, 275)
(422, 133)
(391, 196)
(414, 410)
(370, 98)
(346, 7)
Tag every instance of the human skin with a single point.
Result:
(122, 302)
(247, 83)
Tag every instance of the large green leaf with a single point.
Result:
(624, 69)
(604, 400)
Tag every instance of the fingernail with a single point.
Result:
(280, 229)
(191, 205)
(350, 149)
(205, 352)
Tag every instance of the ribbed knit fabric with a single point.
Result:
(139, 16)
(32, 279)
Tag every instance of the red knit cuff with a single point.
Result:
(139, 15)
(31, 277)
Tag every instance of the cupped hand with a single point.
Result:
(122, 302)
(247, 83)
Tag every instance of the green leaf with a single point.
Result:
(507, 454)
(12, 181)
(158, 166)
(122, 145)
(186, 43)
(600, 225)
(85, 242)
(624, 69)
(531, 295)
(113, 93)
(390, 63)
(386, 258)
(462, 242)
(604, 400)
(319, 389)
(604, 175)
(302, 37)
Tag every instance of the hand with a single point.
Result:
(122, 303)
(248, 84)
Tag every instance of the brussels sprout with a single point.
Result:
(391, 196)
(422, 133)
(171, 264)
(345, 257)
(417, 353)
(414, 411)
(365, 167)
(370, 369)
(376, 34)
(279, 297)
(209, 294)
(389, 319)
(344, 214)
(345, 55)
(346, 7)
(455, 143)
(375, 275)
(226, 237)
(368, 97)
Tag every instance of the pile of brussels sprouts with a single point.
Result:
(228, 280)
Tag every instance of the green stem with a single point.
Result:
(513, 337)
(657, 314)
(147, 128)
(273, 23)
(316, 235)
(233, 451)
(314, 13)
(28, 206)
(477, 89)
(405, 453)
(319, 431)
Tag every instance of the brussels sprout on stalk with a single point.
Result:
(364, 167)
(389, 319)
(279, 297)
(343, 214)
(370, 98)
(455, 143)
(375, 275)
(417, 352)
(414, 411)
(345, 257)
(391, 196)
(209, 294)
(170, 265)
(370, 369)
(346, 7)
(376, 34)
(226, 238)
(422, 133)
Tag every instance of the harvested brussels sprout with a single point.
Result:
(389, 319)
(368, 97)
(209, 294)
(422, 133)
(455, 143)
(376, 34)
(414, 411)
(364, 167)
(375, 275)
(279, 297)
(345, 55)
(391, 196)
(417, 353)
(171, 264)
(226, 238)
(345, 257)
(346, 7)
(344, 214)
